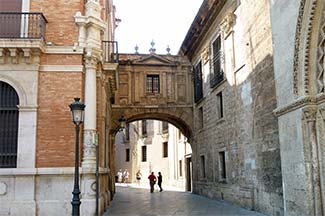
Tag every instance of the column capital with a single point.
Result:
(91, 62)
(309, 113)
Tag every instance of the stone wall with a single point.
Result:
(248, 130)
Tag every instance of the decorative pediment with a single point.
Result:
(153, 59)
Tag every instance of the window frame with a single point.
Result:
(127, 155)
(216, 61)
(153, 84)
(198, 82)
(165, 149)
(144, 153)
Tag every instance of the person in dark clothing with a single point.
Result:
(152, 180)
(160, 181)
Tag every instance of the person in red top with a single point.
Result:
(152, 180)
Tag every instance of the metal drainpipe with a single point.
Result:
(97, 176)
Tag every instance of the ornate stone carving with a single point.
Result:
(303, 101)
(89, 149)
(205, 55)
(91, 62)
(227, 24)
(303, 49)
(310, 113)
(321, 57)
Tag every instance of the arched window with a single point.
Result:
(8, 126)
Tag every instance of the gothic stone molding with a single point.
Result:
(302, 44)
(300, 102)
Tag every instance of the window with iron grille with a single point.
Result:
(198, 84)
(144, 128)
(8, 126)
(127, 155)
(219, 105)
(165, 149)
(180, 168)
(165, 127)
(144, 153)
(216, 70)
(152, 83)
(202, 166)
(222, 165)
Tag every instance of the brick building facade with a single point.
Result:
(50, 53)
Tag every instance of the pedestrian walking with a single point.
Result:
(119, 176)
(160, 181)
(152, 181)
(138, 176)
(126, 176)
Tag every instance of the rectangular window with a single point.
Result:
(198, 86)
(202, 166)
(222, 165)
(152, 84)
(165, 127)
(216, 71)
(200, 117)
(165, 149)
(127, 155)
(144, 153)
(219, 105)
(127, 131)
(144, 128)
(180, 168)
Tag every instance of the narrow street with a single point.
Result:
(132, 201)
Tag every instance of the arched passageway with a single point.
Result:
(146, 146)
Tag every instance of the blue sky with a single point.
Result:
(164, 21)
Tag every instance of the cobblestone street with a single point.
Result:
(132, 201)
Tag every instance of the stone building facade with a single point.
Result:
(50, 53)
(236, 149)
(298, 40)
(154, 146)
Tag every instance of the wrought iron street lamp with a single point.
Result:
(122, 121)
(77, 111)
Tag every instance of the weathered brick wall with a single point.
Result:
(61, 28)
(248, 132)
(55, 131)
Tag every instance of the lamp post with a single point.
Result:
(77, 112)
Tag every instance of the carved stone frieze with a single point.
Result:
(321, 56)
(302, 45)
(19, 56)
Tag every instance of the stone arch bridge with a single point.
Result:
(152, 86)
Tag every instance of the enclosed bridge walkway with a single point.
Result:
(152, 86)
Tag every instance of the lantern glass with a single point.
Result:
(77, 116)
(77, 111)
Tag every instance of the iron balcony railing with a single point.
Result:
(22, 25)
(217, 74)
(110, 49)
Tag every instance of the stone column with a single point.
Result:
(89, 148)
(312, 145)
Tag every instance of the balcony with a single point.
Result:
(110, 52)
(14, 25)
(21, 32)
(110, 62)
